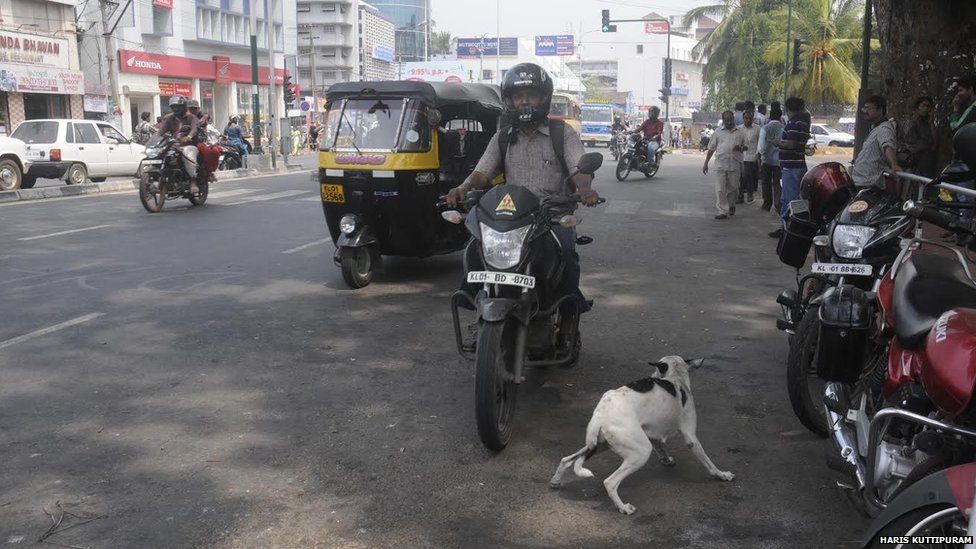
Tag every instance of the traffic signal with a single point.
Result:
(665, 95)
(289, 90)
(796, 56)
(605, 26)
(667, 73)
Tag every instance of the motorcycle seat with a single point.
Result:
(926, 286)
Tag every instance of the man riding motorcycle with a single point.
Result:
(524, 149)
(653, 129)
(209, 153)
(182, 126)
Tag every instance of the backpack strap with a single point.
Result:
(557, 133)
(506, 133)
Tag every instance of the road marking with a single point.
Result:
(311, 199)
(622, 207)
(234, 192)
(50, 329)
(64, 232)
(309, 245)
(264, 197)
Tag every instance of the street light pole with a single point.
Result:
(272, 100)
(255, 102)
(315, 96)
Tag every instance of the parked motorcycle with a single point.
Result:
(519, 300)
(635, 158)
(230, 156)
(162, 175)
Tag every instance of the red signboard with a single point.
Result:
(167, 4)
(219, 69)
(656, 27)
(169, 89)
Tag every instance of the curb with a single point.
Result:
(117, 186)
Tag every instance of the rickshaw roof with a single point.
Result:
(432, 94)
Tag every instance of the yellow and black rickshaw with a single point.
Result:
(388, 151)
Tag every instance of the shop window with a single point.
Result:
(303, 7)
(328, 7)
(42, 105)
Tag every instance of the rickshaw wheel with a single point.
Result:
(357, 267)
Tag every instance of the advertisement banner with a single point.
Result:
(30, 49)
(383, 53)
(170, 89)
(218, 70)
(656, 27)
(683, 76)
(435, 71)
(678, 90)
(96, 103)
(473, 48)
(14, 78)
(166, 4)
(562, 44)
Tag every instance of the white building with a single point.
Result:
(377, 42)
(40, 75)
(328, 40)
(197, 49)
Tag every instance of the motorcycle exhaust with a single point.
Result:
(843, 437)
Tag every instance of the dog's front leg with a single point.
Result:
(661, 449)
(696, 448)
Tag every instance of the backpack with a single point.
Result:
(557, 131)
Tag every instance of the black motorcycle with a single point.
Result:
(230, 157)
(635, 158)
(520, 297)
(162, 175)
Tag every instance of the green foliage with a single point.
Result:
(441, 43)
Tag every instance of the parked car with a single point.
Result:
(77, 150)
(13, 163)
(825, 135)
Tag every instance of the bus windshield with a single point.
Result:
(598, 115)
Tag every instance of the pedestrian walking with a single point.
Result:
(916, 142)
(726, 144)
(740, 107)
(750, 165)
(792, 159)
(761, 116)
(145, 130)
(769, 170)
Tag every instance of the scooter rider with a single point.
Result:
(530, 159)
(183, 127)
(653, 129)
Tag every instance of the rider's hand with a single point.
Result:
(705, 169)
(589, 197)
(455, 196)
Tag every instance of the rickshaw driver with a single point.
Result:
(531, 162)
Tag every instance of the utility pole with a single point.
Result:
(272, 97)
(789, 62)
(498, 40)
(255, 102)
(113, 68)
(315, 96)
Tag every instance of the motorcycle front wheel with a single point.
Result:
(152, 198)
(932, 520)
(806, 390)
(494, 386)
(623, 167)
(357, 267)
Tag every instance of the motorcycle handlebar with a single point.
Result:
(937, 217)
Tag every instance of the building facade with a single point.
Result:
(40, 74)
(377, 43)
(200, 50)
(328, 43)
(412, 21)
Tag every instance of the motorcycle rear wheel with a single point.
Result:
(199, 198)
(802, 382)
(623, 167)
(651, 171)
(494, 386)
(931, 520)
(151, 200)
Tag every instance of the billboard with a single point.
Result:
(383, 53)
(656, 27)
(433, 71)
(561, 44)
(471, 48)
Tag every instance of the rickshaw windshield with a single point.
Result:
(373, 124)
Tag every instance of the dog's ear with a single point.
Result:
(695, 363)
(662, 367)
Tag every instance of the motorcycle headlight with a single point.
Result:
(348, 224)
(849, 240)
(152, 152)
(503, 250)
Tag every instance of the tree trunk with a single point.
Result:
(925, 45)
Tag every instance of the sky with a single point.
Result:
(527, 18)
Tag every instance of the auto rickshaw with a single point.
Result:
(388, 151)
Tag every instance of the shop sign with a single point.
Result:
(41, 80)
(206, 92)
(656, 27)
(678, 75)
(165, 4)
(220, 70)
(169, 89)
(383, 53)
(222, 75)
(561, 44)
(30, 49)
(96, 103)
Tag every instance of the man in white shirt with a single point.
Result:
(750, 166)
(727, 145)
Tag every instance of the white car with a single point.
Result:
(825, 135)
(77, 150)
(13, 163)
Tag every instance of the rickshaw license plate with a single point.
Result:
(508, 279)
(333, 193)
(842, 269)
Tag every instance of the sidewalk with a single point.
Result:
(257, 165)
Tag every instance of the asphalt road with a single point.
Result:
(203, 378)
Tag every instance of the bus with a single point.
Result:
(566, 107)
(597, 122)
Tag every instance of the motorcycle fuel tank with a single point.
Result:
(949, 372)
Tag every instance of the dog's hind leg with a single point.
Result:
(661, 449)
(635, 448)
(565, 464)
(687, 428)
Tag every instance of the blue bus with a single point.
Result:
(596, 124)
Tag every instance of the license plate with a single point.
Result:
(508, 279)
(333, 193)
(842, 269)
(152, 162)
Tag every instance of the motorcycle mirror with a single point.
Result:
(584, 240)
(589, 163)
(434, 118)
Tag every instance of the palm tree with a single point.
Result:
(441, 43)
(829, 34)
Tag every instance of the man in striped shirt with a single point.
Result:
(792, 161)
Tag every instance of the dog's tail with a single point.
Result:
(592, 442)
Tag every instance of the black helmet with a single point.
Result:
(177, 103)
(527, 76)
(192, 103)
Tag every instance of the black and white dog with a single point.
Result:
(637, 419)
